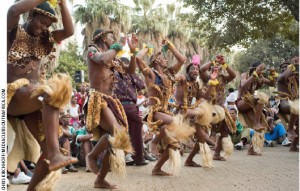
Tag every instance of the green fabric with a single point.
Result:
(81, 131)
(236, 138)
(72, 130)
(239, 127)
(116, 46)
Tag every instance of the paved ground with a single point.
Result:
(277, 169)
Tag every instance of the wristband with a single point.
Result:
(292, 67)
(213, 62)
(254, 74)
(116, 46)
(213, 82)
(167, 46)
(224, 66)
(149, 47)
(136, 51)
(52, 3)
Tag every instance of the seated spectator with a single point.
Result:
(277, 133)
(230, 99)
(84, 145)
(64, 140)
(20, 177)
(242, 135)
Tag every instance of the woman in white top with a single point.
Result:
(74, 112)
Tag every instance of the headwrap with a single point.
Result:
(196, 60)
(44, 9)
(154, 57)
(103, 33)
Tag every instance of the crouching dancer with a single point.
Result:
(251, 105)
(169, 129)
(187, 89)
(105, 115)
(29, 103)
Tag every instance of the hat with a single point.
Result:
(44, 9)
(100, 32)
(231, 98)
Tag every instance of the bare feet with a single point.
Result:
(91, 164)
(291, 135)
(58, 161)
(191, 164)
(258, 127)
(104, 184)
(160, 173)
(252, 152)
(220, 158)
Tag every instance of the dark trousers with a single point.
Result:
(135, 130)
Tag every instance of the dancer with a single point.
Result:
(169, 129)
(105, 115)
(220, 74)
(28, 101)
(189, 96)
(251, 105)
(288, 89)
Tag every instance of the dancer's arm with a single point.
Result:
(101, 57)
(180, 57)
(68, 27)
(143, 67)
(203, 71)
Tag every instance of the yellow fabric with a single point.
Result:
(25, 146)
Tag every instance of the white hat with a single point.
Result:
(231, 97)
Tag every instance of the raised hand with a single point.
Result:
(214, 75)
(133, 42)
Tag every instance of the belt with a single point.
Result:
(127, 102)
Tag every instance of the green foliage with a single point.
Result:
(71, 60)
(101, 14)
(225, 23)
(271, 51)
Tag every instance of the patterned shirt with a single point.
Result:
(127, 86)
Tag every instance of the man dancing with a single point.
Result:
(187, 91)
(288, 89)
(105, 116)
(220, 74)
(251, 105)
(160, 80)
(37, 104)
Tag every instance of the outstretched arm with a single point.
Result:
(203, 70)
(68, 29)
(99, 57)
(21, 7)
(180, 57)
(290, 69)
(143, 67)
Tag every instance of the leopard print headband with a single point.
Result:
(42, 12)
